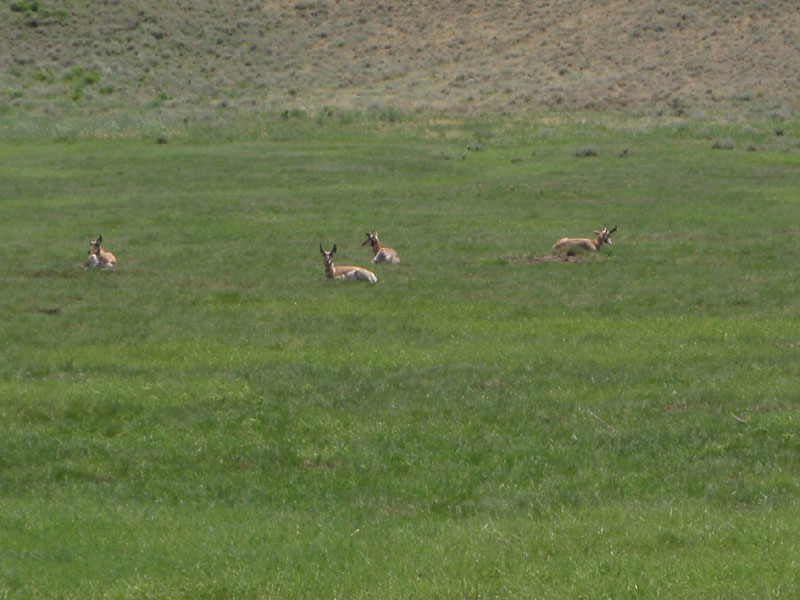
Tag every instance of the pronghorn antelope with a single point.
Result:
(332, 272)
(99, 257)
(572, 244)
(382, 253)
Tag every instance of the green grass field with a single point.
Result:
(215, 419)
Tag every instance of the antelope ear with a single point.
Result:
(99, 239)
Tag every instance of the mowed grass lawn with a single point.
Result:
(215, 419)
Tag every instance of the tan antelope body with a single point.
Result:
(572, 244)
(98, 257)
(382, 253)
(333, 272)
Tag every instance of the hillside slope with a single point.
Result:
(413, 55)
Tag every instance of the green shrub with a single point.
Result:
(43, 77)
(24, 6)
(294, 113)
(81, 77)
(390, 114)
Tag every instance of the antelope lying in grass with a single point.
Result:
(332, 272)
(99, 257)
(572, 244)
(382, 253)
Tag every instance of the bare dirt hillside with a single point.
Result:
(498, 55)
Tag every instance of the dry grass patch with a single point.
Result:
(547, 258)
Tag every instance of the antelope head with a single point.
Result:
(604, 236)
(327, 257)
(94, 245)
(372, 238)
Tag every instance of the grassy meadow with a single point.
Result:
(215, 419)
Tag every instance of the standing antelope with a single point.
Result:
(571, 244)
(99, 257)
(382, 253)
(332, 272)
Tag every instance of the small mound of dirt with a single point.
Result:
(546, 258)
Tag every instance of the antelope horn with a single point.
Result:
(334, 249)
(613, 230)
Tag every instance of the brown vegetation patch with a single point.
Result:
(678, 406)
(547, 258)
(312, 465)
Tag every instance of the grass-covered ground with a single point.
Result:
(215, 419)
